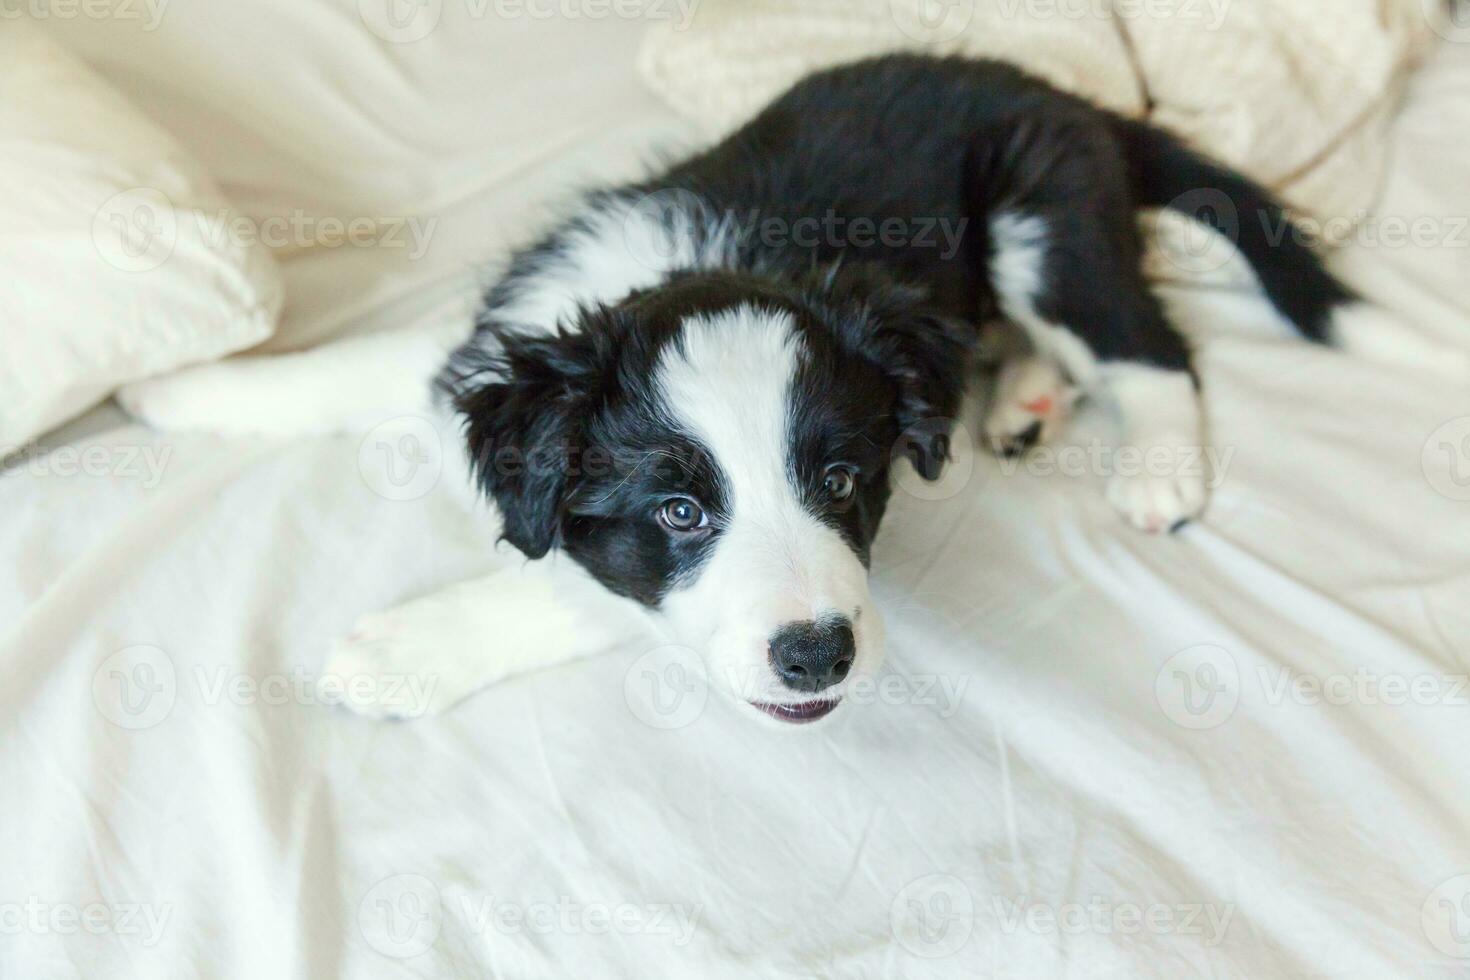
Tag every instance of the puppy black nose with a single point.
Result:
(811, 656)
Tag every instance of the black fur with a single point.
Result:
(577, 451)
(1169, 174)
(906, 142)
(958, 141)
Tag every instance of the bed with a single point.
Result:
(1237, 752)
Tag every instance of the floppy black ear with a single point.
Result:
(925, 355)
(524, 400)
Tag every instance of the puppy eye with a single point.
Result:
(839, 481)
(681, 514)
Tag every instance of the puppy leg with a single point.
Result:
(1031, 400)
(1158, 480)
(341, 386)
(1065, 263)
(427, 655)
(1111, 335)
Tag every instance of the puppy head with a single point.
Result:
(718, 449)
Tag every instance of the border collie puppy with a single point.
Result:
(695, 387)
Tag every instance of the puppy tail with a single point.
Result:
(1168, 174)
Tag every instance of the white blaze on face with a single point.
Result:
(729, 384)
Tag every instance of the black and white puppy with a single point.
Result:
(825, 213)
(695, 387)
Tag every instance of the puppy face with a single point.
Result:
(718, 449)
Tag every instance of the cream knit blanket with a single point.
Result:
(1295, 93)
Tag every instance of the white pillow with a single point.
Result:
(437, 123)
(118, 264)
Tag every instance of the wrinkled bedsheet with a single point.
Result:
(1238, 752)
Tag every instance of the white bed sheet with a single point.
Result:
(1048, 799)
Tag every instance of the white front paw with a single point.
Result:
(393, 665)
(1156, 503)
(1032, 399)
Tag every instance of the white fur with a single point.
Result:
(729, 383)
(1162, 422)
(351, 384)
(428, 654)
(623, 244)
(1160, 409)
(1023, 384)
(1017, 269)
(620, 245)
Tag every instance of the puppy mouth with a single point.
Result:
(799, 713)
